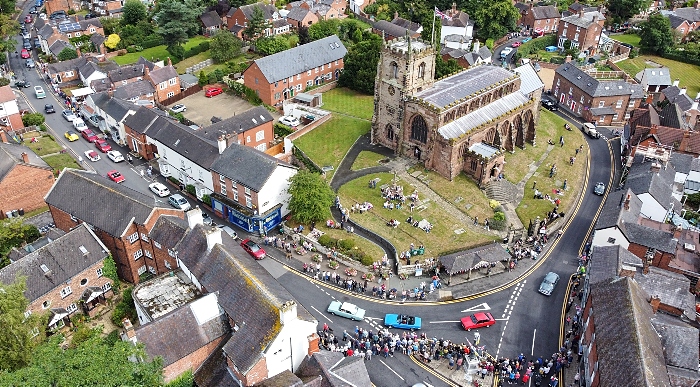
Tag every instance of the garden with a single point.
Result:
(687, 73)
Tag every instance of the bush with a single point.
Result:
(499, 216)
(125, 308)
(152, 41)
(206, 199)
(499, 225)
(189, 188)
(489, 44)
(33, 119)
(366, 260)
(346, 244)
(326, 241)
(204, 46)
(282, 130)
(535, 45)
(174, 181)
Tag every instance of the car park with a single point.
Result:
(516, 44)
(212, 91)
(79, 124)
(23, 84)
(179, 108)
(30, 63)
(68, 115)
(548, 284)
(115, 176)
(102, 145)
(179, 202)
(599, 188)
(549, 105)
(477, 320)
(402, 321)
(253, 249)
(71, 136)
(115, 156)
(25, 54)
(92, 155)
(347, 310)
(159, 189)
(89, 135)
(289, 121)
(228, 230)
(48, 109)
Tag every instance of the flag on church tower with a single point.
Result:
(441, 14)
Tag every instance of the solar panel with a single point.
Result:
(66, 27)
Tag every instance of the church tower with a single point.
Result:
(406, 67)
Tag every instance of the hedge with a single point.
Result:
(535, 45)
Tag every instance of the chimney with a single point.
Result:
(677, 232)
(313, 344)
(694, 106)
(77, 51)
(675, 82)
(454, 8)
(627, 202)
(600, 8)
(682, 92)
(170, 63)
(698, 96)
(531, 6)
(128, 330)
(650, 99)
(580, 12)
(555, 4)
(595, 17)
(476, 46)
(110, 93)
(221, 142)
(655, 167)
(213, 237)
(655, 302)
(146, 72)
(194, 217)
(288, 312)
(683, 146)
(3, 137)
(568, 59)
(25, 158)
(396, 14)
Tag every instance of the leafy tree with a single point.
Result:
(4, 81)
(133, 12)
(112, 41)
(312, 197)
(656, 34)
(256, 25)
(303, 33)
(361, 65)
(496, 18)
(8, 27)
(224, 46)
(67, 54)
(621, 10)
(177, 20)
(7, 7)
(271, 45)
(177, 51)
(348, 29)
(445, 67)
(33, 119)
(202, 79)
(109, 269)
(125, 307)
(323, 28)
(17, 330)
(110, 25)
(427, 32)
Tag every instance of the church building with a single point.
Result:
(463, 122)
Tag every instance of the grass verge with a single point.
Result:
(366, 159)
(345, 101)
(62, 161)
(632, 39)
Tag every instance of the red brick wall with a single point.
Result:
(561, 87)
(256, 374)
(238, 18)
(144, 149)
(247, 138)
(25, 187)
(190, 362)
(229, 190)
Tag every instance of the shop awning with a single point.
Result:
(82, 92)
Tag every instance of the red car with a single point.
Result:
(89, 135)
(516, 44)
(478, 320)
(212, 91)
(253, 249)
(115, 176)
(103, 145)
(25, 54)
(28, 19)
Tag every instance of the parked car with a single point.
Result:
(179, 108)
(48, 109)
(516, 44)
(402, 321)
(253, 249)
(93, 120)
(212, 91)
(527, 39)
(590, 130)
(549, 105)
(91, 16)
(103, 145)
(115, 176)
(60, 14)
(548, 284)
(27, 44)
(179, 202)
(347, 310)
(289, 121)
(478, 320)
(30, 63)
(89, 135)
(79, 124)
(68, 115)
(71, 136)
(159, 189)
(228, 230)
(28, 19)
(115, 156)
(599, 188)
(25, 54)
(39, 92)
(505, 52)
(33, 10)
(92, 155)
(36, 43)
(23, 83)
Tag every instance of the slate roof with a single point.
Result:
(545, 12)
(658, 184)
(602, 111)
(673, 95)
(596, 88)
(688, 13)
(284, 379)
(85, 24)
(672, 116)
(301, 58)
(124, 73)
(529, 80)
(178, 138)
(46, 31)
(676, 21)
(59, 46)
(680, 342)
(268, 10)
(614, 213)
(461, 19)
(239, 123)
(650, 237)
(62, 257)
(91, 67)
(631, 343)
(392, 29)
(335, 369)
(163, 74)
(169, 230)
(97, 39)
(522, 7)
(134, 90)
(607, 262)
(11, 155)
(461, 262)
(671, 288)
(211, 19)
(585, 21)
(656, 76)
(246, 166)
(484, 114)
(113, 107)
(107, 202)
(279, 23)
(407, 24)
(682, 162)
(147, 63)
(214, 371)
(463, 84)
(143, 119)
(297, 14)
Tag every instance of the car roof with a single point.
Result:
(177, 196)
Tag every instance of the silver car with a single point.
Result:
(179, 202)
(548, 284)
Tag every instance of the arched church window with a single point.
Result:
(390, 132)
(394, 70)
(421, 70)
(419, 129)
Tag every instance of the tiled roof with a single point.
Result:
(144, 119)
(239, 123)
(108, 202)
(301, 58)
(113, 107)
(607, 262)
(673, 95)
(91, 67)
(335, 369)
(545, 12)
(672, 116)
(649, 237)
(631, 343)
(680, 342)
(246, 166)
(177, 137)
(150, 65)
(163, 74)
(62, 257)
(463, 261)
(484, 114)
(168, 230)
(67, 65)
(392, 29)
(59, 46)
(461, 19)
(297, 14)
(656, 76)
(688, 13)
(594, 87)
(603, 111)
(46, 31)
(463, 84)
(134, 90)
(6, 94)
(658, 184)
(676, 21)
(585, 21)
(125, 73)
(614, 212)
(97, 39)
(671, 288)
(407, 24)
(268, 10)
(11, 155)
(211, 19)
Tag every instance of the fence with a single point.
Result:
(199, 66)
(183, 94)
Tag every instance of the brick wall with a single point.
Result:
(25, 187)
(192, 361)
(256, 374)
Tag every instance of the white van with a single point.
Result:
(590, 130)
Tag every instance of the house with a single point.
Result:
(93, 70)
(211, 23)
(126, 74)
(407, 24)
(687, 104)
(10, 117)
(358, 6)
(278, 77)
(66, 71)
(98, 43)
(64, 277)
(141, 91)
(59, 45)
(301, 17)
(120, 217)
(165, 80)
(681, 25)
(583, 30)
(75, 27)
(684, 19)
(322, 9)
(479, 55)
(653, 80)
(456, 26)
(252, 128)
(237, 18)
(24, 177)
(60, 5)
(576, 7)
(390, 31)
(109, 8)
(606, 102)
(113, 112)
(544, 18)
(650, 130)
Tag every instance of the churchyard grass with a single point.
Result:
(370, 248)
(349, 102)
(688, 74)
(441, 239)
(366, 159)
(328, 144)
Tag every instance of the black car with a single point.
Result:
(36, 42)
(22, 83)
(91, 16)
(27, 44)
(549, 105)
(48, 109)
(33, 10)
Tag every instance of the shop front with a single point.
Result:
(246, 218)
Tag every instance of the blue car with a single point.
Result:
(402, 321)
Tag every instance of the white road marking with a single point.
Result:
(372, 318)
(442, 322)
(382, 361)
(324, 316)
(502, 319)
(475, 308)
(532, 352)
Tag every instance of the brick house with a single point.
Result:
(681, 25)
(278, 77)
(64, 277)
(211, 23)
(583, 30)
(684, 19)
(542, 18)
(237, 18)
(323, 9)
(139, 91)
(301, 17)
(24, 178)
(165, 80)
(122, 218)
(252, 128)
(605, 102)
(125, 75)
(113, 112)
(74, 27)
(60, 5)
(66, 71)
(10, 117)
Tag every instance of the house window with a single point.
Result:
(256, 81)
(92, 30)
(601, 104)
(162, 85)
(619, 103)
(276, 84)
(277, 95)
(316, 70)
(222, 178)
(152, 270)
(547, 21)
(73, 218)
(627, 116)
(247, 139)
(234, 185)
(144, 237)
(71, 308)
(106, 287)
(262, 147)
(133, 237)
(581, 99)
(167, 265)
(65, 292)
(308, 72)
(336, 62)
(83, 282)
(69, 35)
(309, 83)
(27, 314)
(248, 202)
(322, 67)
(46, 304)
(148, 254)
(68, 74)
(156, 244)
(172, 253)
(631, 104)
(602, 119)
(142, 269)
(235, 195)
(138, 254)
(171, 94)
(171, 81)
(123, 82)
(298, 77)
(223, 189)
(615, 117)
(298, 87)
(247, 191)
(259, 136)
(77, 34)
(99, 273)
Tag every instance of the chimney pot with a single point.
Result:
(25, 157)
(194, 217)
(213, 237)
(676, 81)
(655, 302)
(683, 90)
(129, 329)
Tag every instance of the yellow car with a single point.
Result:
(71, 136)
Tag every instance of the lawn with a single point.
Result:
(45, 145)
(370, 248)
(62, 161)
(443, 237)
(328, 144)
(632, 39)
(352, 103)
(687, 73)
(366, 159)
(156, 53)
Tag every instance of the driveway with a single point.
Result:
(201, 109)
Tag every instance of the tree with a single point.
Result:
(361, 65)
(8, 27)
(428, 32)
(33, 119)
(303, 33)
(496, 18)
(7, 7)
(445, 67)
(323, 28)
(177, 21)
(112, 41)
(133, 12)
(110, 25)
(224, 46)
(67, 54)
(256, 25)
(621, 10)
(202, 80)
(17, 330)
(656, 34)
(312, 197)
(271, 45)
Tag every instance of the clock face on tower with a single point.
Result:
(392, 90)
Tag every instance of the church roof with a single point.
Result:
(467, 123)
(466, 83)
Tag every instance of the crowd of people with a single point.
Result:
(541, 371)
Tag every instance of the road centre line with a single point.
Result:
(395, 373)
(319, 312)
(442, 322)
